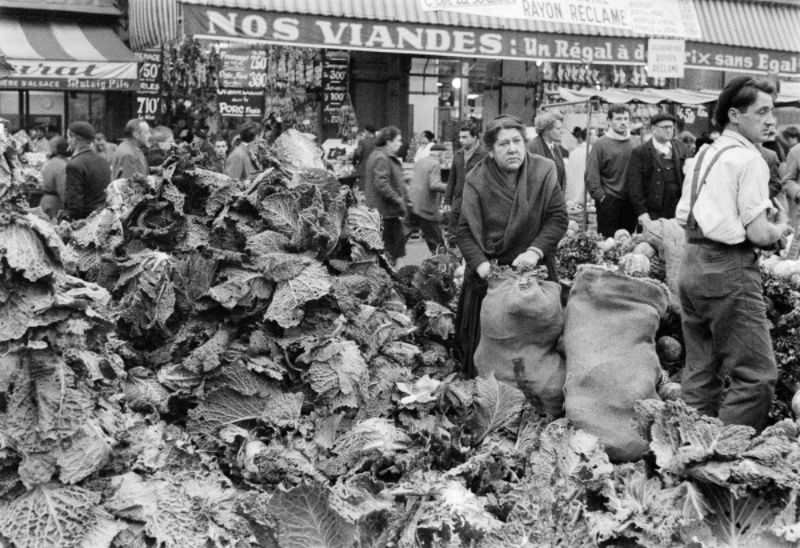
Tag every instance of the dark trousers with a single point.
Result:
(431, 231)
(613, 214)
(394, 240)
(730, 367)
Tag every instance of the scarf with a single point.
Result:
(663, 148)
(521, 222)
(618, 136)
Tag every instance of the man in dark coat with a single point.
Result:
(88, 173)
(547, 142)
(465, 158)
(655, 172)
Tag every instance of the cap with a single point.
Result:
(661, 117)
(84, 130)
(726, 98)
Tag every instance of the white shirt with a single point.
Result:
(735, 193)
(423, 152)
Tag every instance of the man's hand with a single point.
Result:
(483, 270)
(645, 221)
(527, 260)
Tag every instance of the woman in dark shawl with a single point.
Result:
(513, 212)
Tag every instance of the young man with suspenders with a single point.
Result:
(730, 369)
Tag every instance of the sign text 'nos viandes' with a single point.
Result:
(240, 25)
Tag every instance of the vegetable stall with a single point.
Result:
(205, 362)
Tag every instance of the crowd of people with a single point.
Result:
(81, 165)
(505, 201)
(733, 189)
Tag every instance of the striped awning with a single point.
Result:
(65, 55)
(152, 23)
(99, 7)
(746, 23)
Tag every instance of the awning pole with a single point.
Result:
(586, 165)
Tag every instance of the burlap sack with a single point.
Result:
(609, 338)
(669, 239)
(521, 321)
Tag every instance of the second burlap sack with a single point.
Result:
(521, 321)
(609, 338)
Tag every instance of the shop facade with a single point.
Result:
(421, 68)
(66, 66)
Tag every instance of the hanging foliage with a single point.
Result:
(189, 81)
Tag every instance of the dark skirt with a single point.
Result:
(394, 240)
(468, 321)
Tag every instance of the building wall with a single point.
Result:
(379, 89)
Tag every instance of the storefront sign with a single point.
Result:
(665, 58)
(74, 75)
(337, 33)
(232, 25)
(335, 85)
(240, 103)
(645, 17)
(736, 59)
(243, 69)
(148, 97)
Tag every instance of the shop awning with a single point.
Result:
(769, 25)
(65, 55)
(653, 96)
(100, 7)
(732, 36)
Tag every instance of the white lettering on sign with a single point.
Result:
(665, 58)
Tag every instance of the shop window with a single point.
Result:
(46, 109)
(119, 108)
(78, 106)
(97, 111)
(10, 108)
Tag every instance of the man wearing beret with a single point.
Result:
(655, 172)
(730, 369)
(88, 173)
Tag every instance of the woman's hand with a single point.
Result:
(527, 260)
(483, 270)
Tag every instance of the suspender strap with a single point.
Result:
(698, 182)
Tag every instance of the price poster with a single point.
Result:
(243, 69)
(240, 103)
(148, 96)
(335, 85)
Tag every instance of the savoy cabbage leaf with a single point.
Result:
(48, 516)
(497, 405)
(364, 227)
(306, 519)
(171, 516)
(226, 406)
(337, 372)
(24, 252)
(286, 308)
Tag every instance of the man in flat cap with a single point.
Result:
(730, 369)
(88, 173)
(655, 172)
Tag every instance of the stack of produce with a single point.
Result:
(238, 366)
